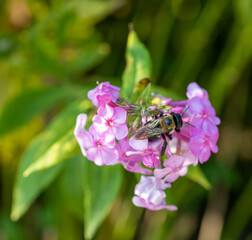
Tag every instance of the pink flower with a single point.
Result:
(203, 142)
(107, 141)
(98, 150)
(149, 194)
(149, 151)
(131, 163)
(194, 90)
(80, 130)
(204, 115)
(175, 166)
(103, 94)
(111, 121)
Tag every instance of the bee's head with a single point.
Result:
(178, 120)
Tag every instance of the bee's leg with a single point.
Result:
(169, 136)
(161, 114)
(164, 145)
(177, 130)
(153, 116)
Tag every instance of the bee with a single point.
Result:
(163, 126)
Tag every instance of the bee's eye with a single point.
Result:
(168, 121)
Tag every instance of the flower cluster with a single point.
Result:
(189, 127)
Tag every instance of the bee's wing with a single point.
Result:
(149, 130)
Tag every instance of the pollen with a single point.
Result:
(98, 144)
(110, 123)
(178, 168)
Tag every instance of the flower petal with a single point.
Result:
(156, 197)
(171, 177)
(99, 124)
(92, 96)
(204, 155)
(87, 140)
(109, 156)
(93, 154)
(104, 99)
(160, 173)
(120, 131)
(80, 123)
(150, 160)
(120, 115)
(138, 144)
(109, 112)
(194, 90)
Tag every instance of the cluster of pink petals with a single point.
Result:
(132, 162)
(174, 167)
(149, 194)
(108, 140)
(111, 122)
(148, 151)
(205, 134)
(103, 94)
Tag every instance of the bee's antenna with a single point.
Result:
(189, 124)
(185, 111)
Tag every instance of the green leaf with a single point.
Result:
(145, 95)
(142, 90)
(26, 105)
(26, 189)
(70, 184)
(101, 187)
(59, 151)
(138, 64)
(8, 44)
(242, 210)
(195, 174)
(59, 52)
(63, 148)
(93, 11)
(87, 58)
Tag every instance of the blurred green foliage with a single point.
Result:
(53, 52)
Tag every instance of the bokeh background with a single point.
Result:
(53, 51)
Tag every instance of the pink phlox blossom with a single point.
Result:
(203, 142)
(149, 194)
(175, 166)
(107, 141)
(103, 94)
(133, 162)
(80, 130)
(99, 150)
(204, 115)
(194, 90)
(111, 122)
(149, 151)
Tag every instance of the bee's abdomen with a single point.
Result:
(154, 138)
